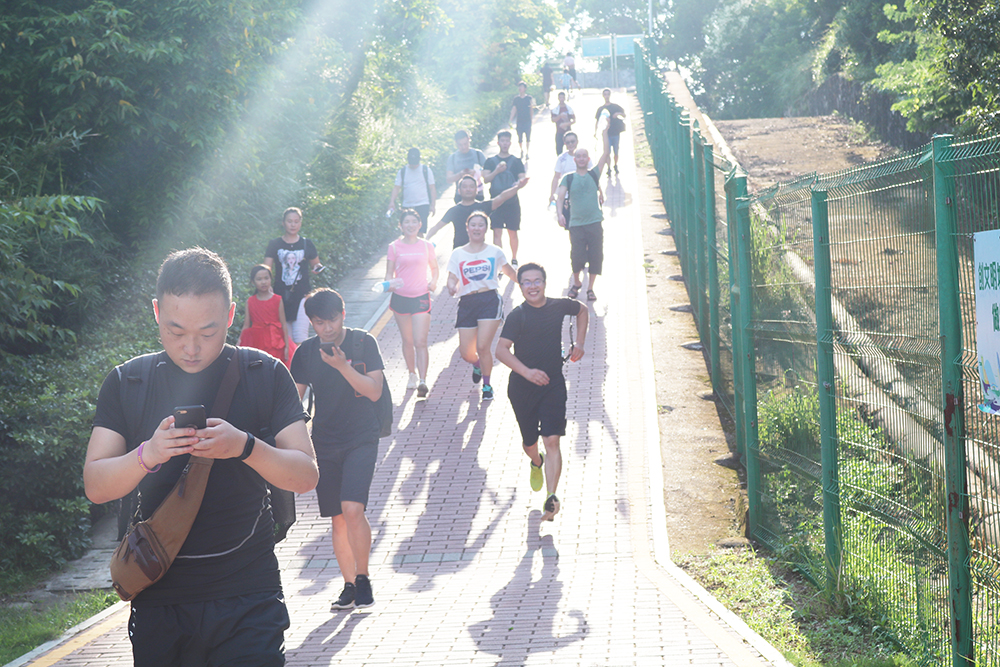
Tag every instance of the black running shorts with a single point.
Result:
(540, 411)
(410, 305)
(345, 473)
(480, 306)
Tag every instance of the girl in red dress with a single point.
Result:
(265, 327)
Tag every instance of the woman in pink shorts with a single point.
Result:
(408, 261)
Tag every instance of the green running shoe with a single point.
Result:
(536, 473)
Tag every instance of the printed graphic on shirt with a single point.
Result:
(478, 270)
(291, 261)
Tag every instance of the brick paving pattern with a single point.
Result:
(463, 570)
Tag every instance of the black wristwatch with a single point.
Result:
(247, 448)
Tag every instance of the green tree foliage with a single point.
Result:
(757, 57)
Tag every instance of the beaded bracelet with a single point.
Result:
(142, 465)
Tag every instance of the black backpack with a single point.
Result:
(569, 184)
(135, 379)
(427, 181)
(383, 406)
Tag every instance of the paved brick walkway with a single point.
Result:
(462, 568)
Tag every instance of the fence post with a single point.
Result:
(701, 228)
(826, 389)
(949, 317)
(712, 251)
(748, 355)
(736, 190)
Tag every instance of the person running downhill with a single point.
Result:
(504, 171)
(474, 276)
(537, 389)
(522, 110)
(458, 214)
(615, 122)
(407, 262)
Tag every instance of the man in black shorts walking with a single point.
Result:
(345, 431)
(522, 110)
(537, 389)
(503, 171)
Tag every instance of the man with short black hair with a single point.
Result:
(503, 171)
(221, 601)
(416, 182)
(344, 368)
(466, 161)
(537, 389)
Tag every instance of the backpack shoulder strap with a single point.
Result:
(569, 181)
(258, 371)
(402, 177)
(597, 178)
(135, 380)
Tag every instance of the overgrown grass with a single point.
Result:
(22, 628)
(790, 613)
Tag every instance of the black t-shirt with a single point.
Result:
(459, 213)
(234, 523)
(506, 178)
(291, 271)
(343, 417)
(546, 76)
(523, 106)
(537, 337)
(615, 125)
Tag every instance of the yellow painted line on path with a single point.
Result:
(82, 639)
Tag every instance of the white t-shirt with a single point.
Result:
(414, 186)
(565, 163)
(477, 270)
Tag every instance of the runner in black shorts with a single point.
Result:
(503, 171)
(409, 261)
(522, 110)
(537, 389)
(474, 275)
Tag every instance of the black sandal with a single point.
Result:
(574, 291)
(591, 296)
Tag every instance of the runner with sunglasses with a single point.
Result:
(537, 388)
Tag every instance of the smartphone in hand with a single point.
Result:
(327, 347)
(190, 416)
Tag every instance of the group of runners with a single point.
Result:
(221, 600)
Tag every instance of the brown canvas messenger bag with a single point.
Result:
(149, 547)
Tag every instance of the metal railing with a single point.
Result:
(838, 314)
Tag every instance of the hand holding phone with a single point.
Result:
(328, 347)
(190, 416)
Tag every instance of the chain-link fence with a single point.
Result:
(838, 311)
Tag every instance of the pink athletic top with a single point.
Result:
(412, 261)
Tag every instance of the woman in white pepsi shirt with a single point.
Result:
(474, 275)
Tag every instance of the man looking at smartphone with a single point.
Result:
(221, 601)
(537, 389)
(344, 367)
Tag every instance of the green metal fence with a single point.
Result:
(838, 311)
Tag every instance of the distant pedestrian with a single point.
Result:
(537, 389)
(569, 64)
(616, 124)
(408, 261)
(522, 111)
(503, 171)
(474, 275)
(416, 182)
(265, 326)
(465, 161)
(563, 116)
(586, 234)
(292, 258)
(344, 368)
(546, 82)
(458, 214)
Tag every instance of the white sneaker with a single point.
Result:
(414, 380)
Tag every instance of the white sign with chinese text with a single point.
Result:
(987, 259)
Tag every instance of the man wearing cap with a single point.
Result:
(416, 182)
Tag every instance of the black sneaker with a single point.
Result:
(346, 599)
(364, 599)
(477, 374)
(487, 392)
(551, 507)
(616, 168)
(513, 263)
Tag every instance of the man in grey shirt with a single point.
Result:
(466, 161)
(416, 182)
